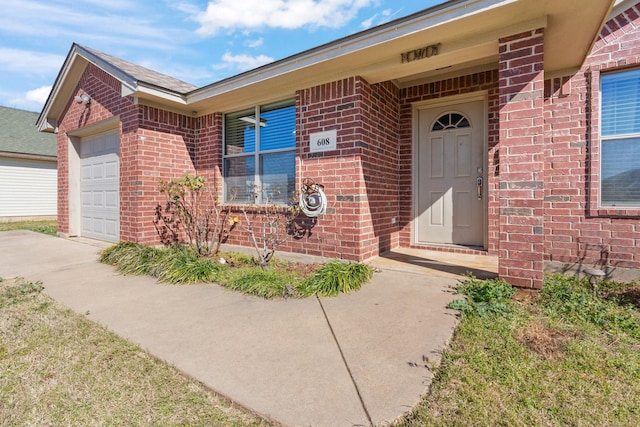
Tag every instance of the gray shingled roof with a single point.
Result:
(19, 134)
(143, 74)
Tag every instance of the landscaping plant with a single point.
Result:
(336, 277)
(239, 272)
(269, 225)
(193, 209)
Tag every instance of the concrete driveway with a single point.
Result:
(354, 359)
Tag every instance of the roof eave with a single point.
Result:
(467, 27)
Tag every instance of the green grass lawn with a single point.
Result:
(557, 358)
(46, 227)
(58, 368)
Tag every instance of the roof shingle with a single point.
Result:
(143, 74)
(19, 134)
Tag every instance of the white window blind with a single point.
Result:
(620, 139)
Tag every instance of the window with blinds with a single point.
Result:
(259, 163)
(620, 139)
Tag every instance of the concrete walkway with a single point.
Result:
(354, 359)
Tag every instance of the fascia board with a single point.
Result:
(68, 71)
(147, 91)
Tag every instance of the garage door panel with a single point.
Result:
(111, 170)
(86, 199)
(97, 172)
(100, 187)
(98, 199)
(112, 229)
(86, 172)
(111, 199)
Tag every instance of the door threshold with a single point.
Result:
(443, 247)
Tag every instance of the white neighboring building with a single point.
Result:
(28, 168)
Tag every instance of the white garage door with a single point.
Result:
(99, 186)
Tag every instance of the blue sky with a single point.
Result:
(198, 41)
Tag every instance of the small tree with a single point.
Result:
(193, 209)
(269, 226)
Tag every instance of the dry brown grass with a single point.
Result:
(58, 368)
(547, 342)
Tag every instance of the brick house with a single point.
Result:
(474, 126)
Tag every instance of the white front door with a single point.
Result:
(450, 175)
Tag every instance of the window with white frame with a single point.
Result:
(620, 139)
(260, 154)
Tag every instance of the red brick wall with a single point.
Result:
(209, 149)
(106, 102)
(543, 158)
(162, 148)
(577, 231)
(483, 81)
(154, 144)
(380, 160)
(337, 234)
(521, 260)
(361, 176)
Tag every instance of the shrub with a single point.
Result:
(192, 207)
(335, 277)
(183, 267)
(269, 225)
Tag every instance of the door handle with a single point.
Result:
(479, 187)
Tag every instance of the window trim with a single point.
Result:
(594, 154)
(257, 110)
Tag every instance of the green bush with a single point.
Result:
(335, 277)
(484, 297)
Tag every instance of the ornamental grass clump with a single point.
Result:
(336, 277)
(170, 265)
(131, 258)
(265, 284)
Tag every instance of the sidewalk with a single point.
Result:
(354, 359)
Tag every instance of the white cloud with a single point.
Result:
(39, 95)
(242, 62)
(33, 99)
(379, 18)
(63, 22)
(29, 62)
(368, 23)
(288, 14)
(254, 43)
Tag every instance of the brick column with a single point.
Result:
(521, 146)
